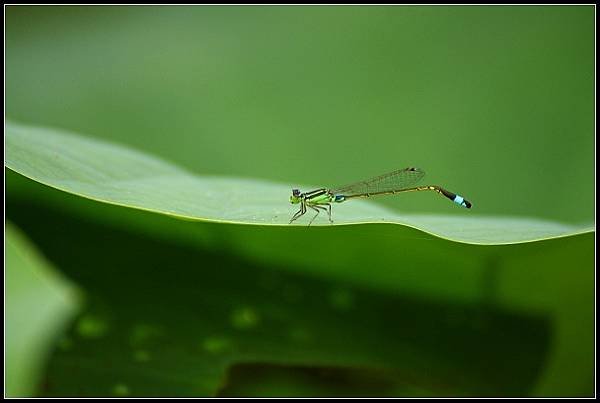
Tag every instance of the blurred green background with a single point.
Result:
(496, 103)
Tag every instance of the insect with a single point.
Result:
(402, 180)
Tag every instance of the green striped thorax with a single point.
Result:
(318, 196)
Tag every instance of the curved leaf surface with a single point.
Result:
(118, 175)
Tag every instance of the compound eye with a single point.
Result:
(296, 192)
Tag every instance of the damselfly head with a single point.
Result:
(295, 197)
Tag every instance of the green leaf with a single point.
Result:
(498, 105)
(39, 304)
(378, 291)
(481, 99)
(169, 319)
(118, 175)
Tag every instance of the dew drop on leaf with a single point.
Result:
(216, 345)
(141, 356)
(300, 334)
(120, 389)
(91, 326)
(244, 318)
(143, 333)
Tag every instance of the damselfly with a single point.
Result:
(403, 180)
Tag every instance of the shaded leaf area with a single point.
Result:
(167, 319)
(118, 175)
(272, 380)
(555, 278)
(39, 303)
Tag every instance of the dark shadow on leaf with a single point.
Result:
(169, 320)
(261, 379)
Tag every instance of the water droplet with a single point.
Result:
(141, 356)
(216, 345)
(341, 299)
(90, 326)
(300, 334)
(120, 389)
(244, 318)
(143, 333)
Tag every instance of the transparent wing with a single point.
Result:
(396, 180)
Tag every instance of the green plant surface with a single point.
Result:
(39, 305)
(294, 268)
(177, 317)
(496, 103)
(209, 116)
(118, 175)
